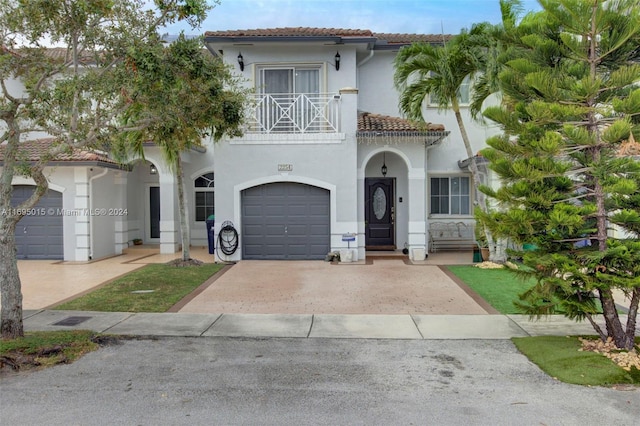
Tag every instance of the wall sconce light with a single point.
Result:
(383, 169)
(241, 61)
(337, 58)
(153, 170)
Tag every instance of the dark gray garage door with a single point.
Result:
(285, 220)
(39, 236)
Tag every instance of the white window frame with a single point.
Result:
(465, 88)
(210, 188)
(261, 68)
(295, 111)
(450, 196)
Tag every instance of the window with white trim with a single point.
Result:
(293, 79)
(464, 94)
(204, 196)
(450, 195)
(290, 99)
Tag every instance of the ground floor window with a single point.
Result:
(450, 195)
(204, 196)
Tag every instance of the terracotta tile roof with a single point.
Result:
(291, 32)
(32, 151)
(368, 122)
(58, 54)
(389, 38)
(411, 38)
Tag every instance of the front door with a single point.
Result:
(154, 212)
(379, 214)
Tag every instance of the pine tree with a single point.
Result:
(570, 81)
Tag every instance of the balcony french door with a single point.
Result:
(290, 80)
(290, 100)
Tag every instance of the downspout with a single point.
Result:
(367, 59)
(91, 179)
(361, 63)
(427, 146)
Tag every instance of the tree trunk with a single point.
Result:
(609, 309)
(11, 312)
(631, 320)
(182, 207)
(473, 166)
(611, 318)
(494, 254)
(10, 289)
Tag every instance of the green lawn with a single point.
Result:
(559, 357)
(153, 288)
(499, 287)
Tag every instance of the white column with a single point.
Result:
(350, 203)
(121, 221)
(81, 206)
(417, 238)
(169, 220)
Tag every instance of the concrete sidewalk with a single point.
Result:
(383, 299)
(452, 327)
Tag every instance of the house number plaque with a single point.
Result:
(285, 167)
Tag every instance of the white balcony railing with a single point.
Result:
(294, 113)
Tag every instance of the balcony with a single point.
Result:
(295, 113)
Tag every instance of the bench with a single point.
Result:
(451, 236)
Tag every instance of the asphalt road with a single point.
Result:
(225, 381)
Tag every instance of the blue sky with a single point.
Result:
(396, 16)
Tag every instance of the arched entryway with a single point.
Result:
(385, 201)
(285, 220)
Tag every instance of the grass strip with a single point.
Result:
(152, 288)
(560, 358)
(499, 287)
(46, 348)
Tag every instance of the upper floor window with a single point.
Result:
(204, 196)
(295, 79)
(450, 195)
(464, 94)
(290, 101)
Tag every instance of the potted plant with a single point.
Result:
(481, 241)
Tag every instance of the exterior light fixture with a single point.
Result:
(337, 58)
(153, 170)
(241, 61)
(383, 169)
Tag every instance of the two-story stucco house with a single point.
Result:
(325, 154)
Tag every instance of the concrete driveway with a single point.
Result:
(386, 285)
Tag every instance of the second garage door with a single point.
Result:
(39, 236)
(285, 220)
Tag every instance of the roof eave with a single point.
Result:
(430, 138)
(288, 39)
(384, 45)
(82, 163)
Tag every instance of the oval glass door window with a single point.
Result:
(379, 203)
